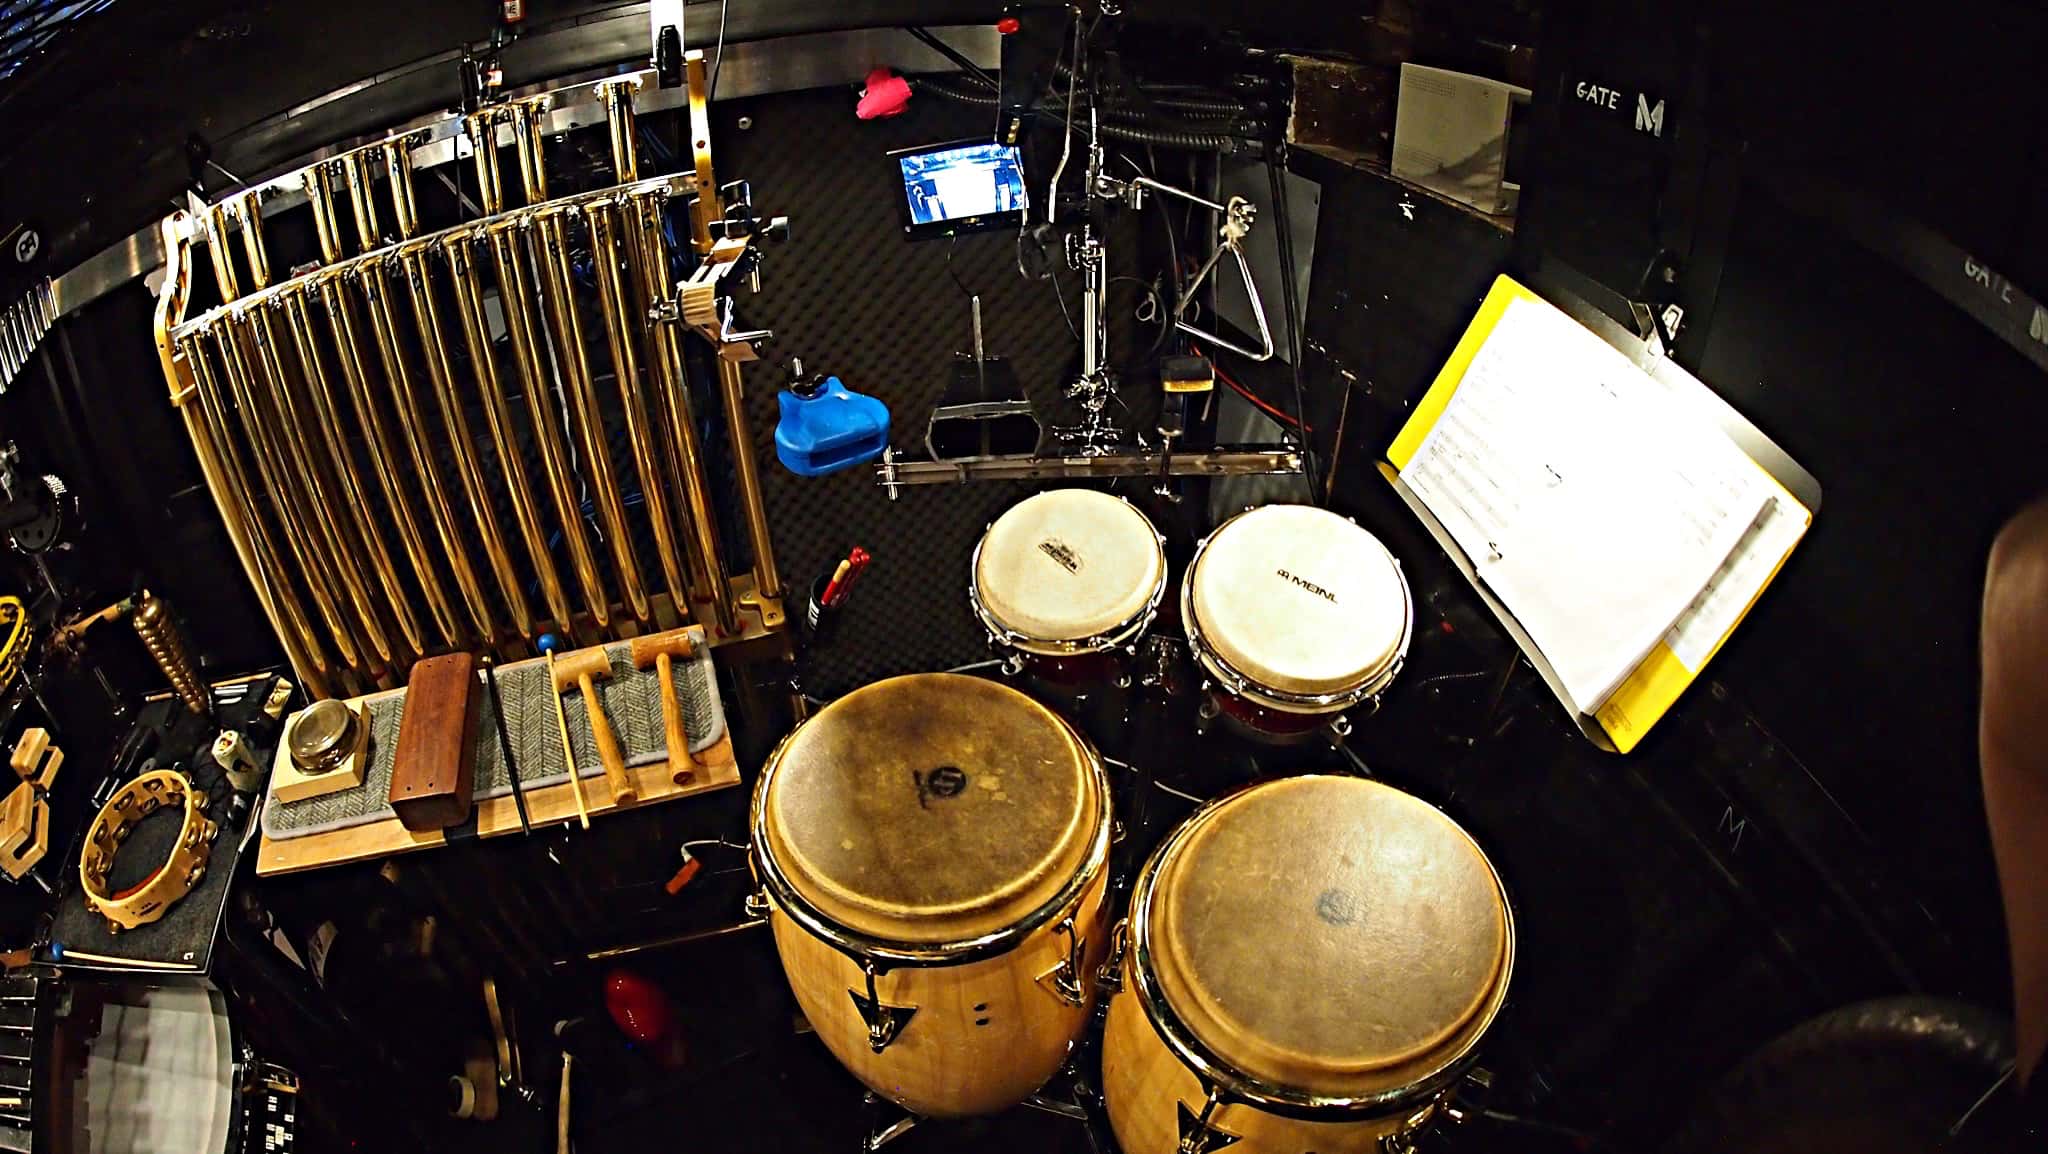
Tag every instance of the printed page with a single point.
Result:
(1592, 505)
(1713, 613)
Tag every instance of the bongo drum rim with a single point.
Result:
(1117, 634)
(1234, 1082)
(779, 889)
(1371, 683)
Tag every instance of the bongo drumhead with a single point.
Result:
(1329, 935)
(931, 808)
(1300, 600)
(1067, 565)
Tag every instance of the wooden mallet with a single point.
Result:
(660, 650)
(581, 668)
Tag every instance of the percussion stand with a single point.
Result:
(873, 1109)
(1335, 733)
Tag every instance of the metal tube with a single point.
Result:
(319, 506)
(274, 593)
(706, 208)
(413, 423)
(476, 333)
(747, 479)
(362, 198)
(383, 453)
(1191, 463)
(462, 444)
(341, 459)
(615, 305)
(299, 539)
(248, 210)
(481, 127)
(565, 328)
(217, 249)
(247, 535)
(704, 579)
(528, 118)
(617, 96)
(665, 362)
(516, 292)
(319, 182)
(398, 169)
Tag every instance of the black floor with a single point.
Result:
(1674, 910)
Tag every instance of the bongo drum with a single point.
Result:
(1065, 580)
(1311, 964)
(933, 852)
(1295, 614)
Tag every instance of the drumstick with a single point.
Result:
(562, 1107)
(832, 586)
(857, 563)
(547, 644)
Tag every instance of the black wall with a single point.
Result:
(1802, 153)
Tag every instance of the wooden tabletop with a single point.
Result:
(495, 816)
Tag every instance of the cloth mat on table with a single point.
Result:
(632, 703)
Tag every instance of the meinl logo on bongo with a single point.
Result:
(1311, 586)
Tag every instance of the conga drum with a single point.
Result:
(933, 851)
(1296, 615)
(1067, 580)
(1311, 964)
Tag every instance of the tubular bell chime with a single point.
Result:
(410, 441)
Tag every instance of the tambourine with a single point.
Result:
(172, 880)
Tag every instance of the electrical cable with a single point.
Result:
(1187, 139)
(968, 68)
(1288, 295)
(1052, 188)
(1173, 258)
(717, 55)
(1059, 294)
(1277, 414)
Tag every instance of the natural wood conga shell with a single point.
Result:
(1145, 1086)
(985, 1034)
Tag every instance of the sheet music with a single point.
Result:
(1594, 506)
(1713, 613)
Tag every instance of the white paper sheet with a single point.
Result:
(1713, 613)
(1592, 504)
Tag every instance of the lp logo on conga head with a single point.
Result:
(941, 783)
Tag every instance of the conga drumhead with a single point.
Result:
(1300, 600)
(1329, 935)
(1068, 565)
(932, 808)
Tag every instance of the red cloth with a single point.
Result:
(885, 95)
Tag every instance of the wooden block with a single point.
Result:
(35, 759)
(24, 831)
(434, 767)
(17, 818)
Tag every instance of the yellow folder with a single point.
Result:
(1655, 683)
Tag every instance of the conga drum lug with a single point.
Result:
(1109, 976)
(1199, 1135)
(756, 904)
(1063, 981)
(884, 1021)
